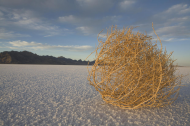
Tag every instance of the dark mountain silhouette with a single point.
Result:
(26, 57)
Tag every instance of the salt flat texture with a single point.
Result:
(59, 95)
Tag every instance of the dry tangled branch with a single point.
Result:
(131, 73)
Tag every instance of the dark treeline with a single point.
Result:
(26, 57)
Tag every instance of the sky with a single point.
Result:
(70, 28)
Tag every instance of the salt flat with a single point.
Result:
(59, 95)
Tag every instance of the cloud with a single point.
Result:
(86, 7)
(170, 23)
(103, 35)
(180, 19)
(4, 34)
(38, 25)
(89, 3)
(12, 47)
(88, 21)
(24, 43)
(178, 9)
(94, 7)
(184, 39)
(68, 19)
(126, 4)
(85, 30)
(87, 25)
(37, 46)
(174, 14)
(175, 31)
(1, 14)
(48, 5)
(29, 20)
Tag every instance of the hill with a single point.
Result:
(26, 57)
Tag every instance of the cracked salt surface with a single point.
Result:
(59, 95)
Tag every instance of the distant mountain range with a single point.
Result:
(26, 57)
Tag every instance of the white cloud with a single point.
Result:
(85, 30)
(1, 14)
(103, 35)
(174, 12)
(174, 31)
(126, 4)
(86, 20)
(71, 19)
(88, 26)
(180, 19)
(24, 43)
(4, 34)
(114, 19)
(95, 6)
(170, 23)
(170, 39)
(68, 19)
(27, 19)
(37, 46)
(85, 2)
(178, 9)
(39, 25)
(184, 39)
(12, 47)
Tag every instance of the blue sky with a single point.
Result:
(69, 28)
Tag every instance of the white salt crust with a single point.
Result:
(59, 95)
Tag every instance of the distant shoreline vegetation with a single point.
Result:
(26, 57)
